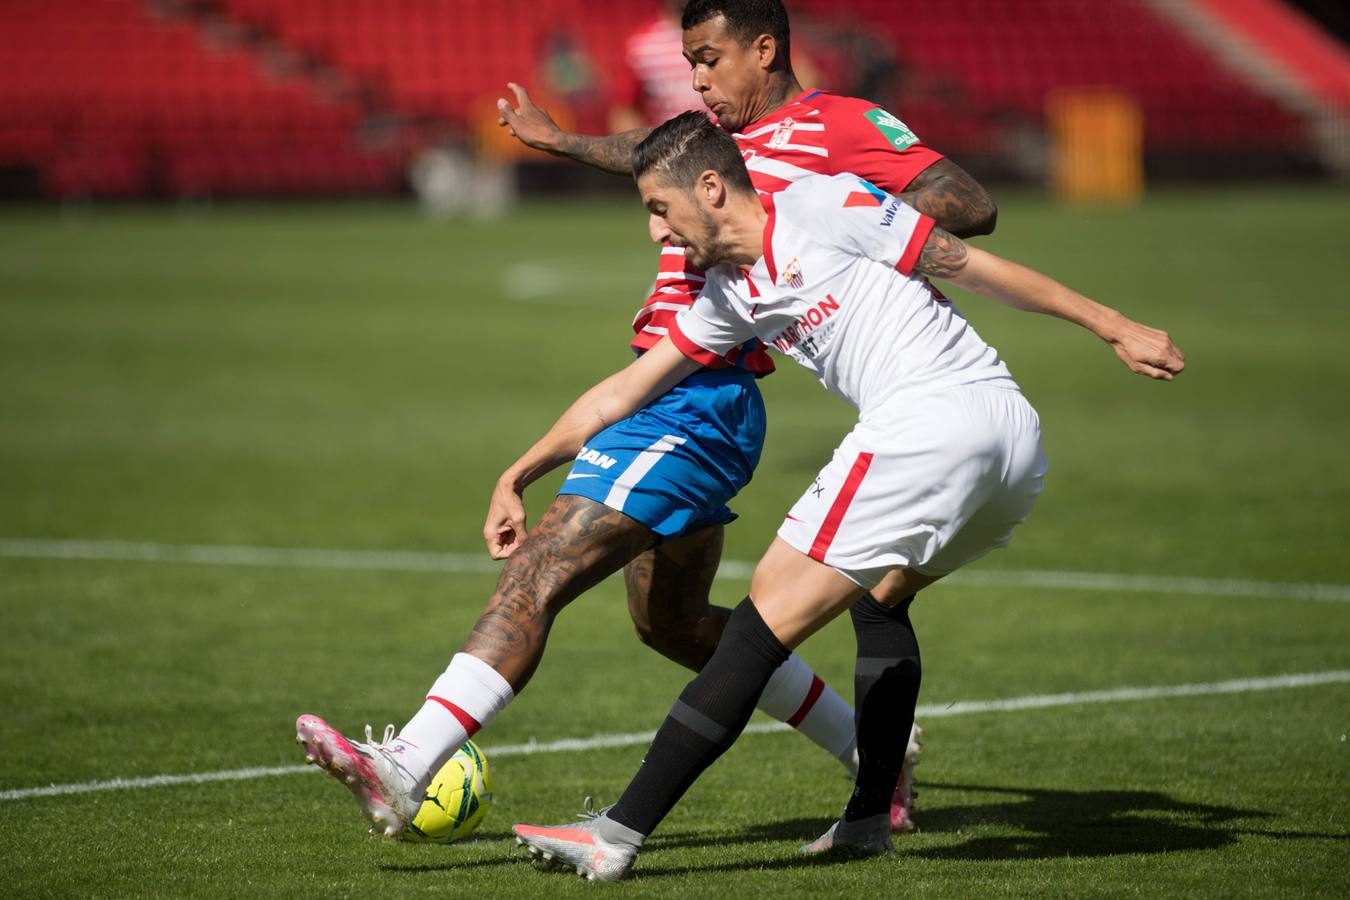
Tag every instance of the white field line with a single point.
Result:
(413, 561)
(601, 741)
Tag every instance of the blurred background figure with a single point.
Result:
(653, 84)
(189, 99)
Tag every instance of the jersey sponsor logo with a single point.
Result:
(792, 275)
(897, 133)
(798, 333)
(860, 198)
(596, 458)
(783, 133)
(871, 195)
(888, 216)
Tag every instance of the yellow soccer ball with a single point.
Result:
(456, 800)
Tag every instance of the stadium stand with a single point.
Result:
(1002, 58)
(113, 103)
(124, 98)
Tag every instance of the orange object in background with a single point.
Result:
(1097, 145)
(494, 142)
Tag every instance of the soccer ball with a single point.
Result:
(456, 800)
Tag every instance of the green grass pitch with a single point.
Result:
(353, 377)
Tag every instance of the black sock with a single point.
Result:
(705, 721)
(886, 685)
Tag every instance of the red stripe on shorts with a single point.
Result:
(830, 526)
(471, 725)
(817, 686)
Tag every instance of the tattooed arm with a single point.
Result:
(945, 192)
(617, 397)
(534, 127)
(1142, 349)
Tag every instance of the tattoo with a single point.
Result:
(943, 255)
(668, 590)
(957, 202)
(612, 154)
(576, 545)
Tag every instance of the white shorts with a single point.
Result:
(928, 483)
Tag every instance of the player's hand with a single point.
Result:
(530, 124)
(1147, 351)
(505, 527)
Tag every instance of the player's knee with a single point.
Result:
(687, 642)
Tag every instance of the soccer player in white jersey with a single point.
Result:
(649, 494)
(737, 52)
(944, 462)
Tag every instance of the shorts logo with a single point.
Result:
(793, 274)
(595, 458)
(782, 134)
(897, 133)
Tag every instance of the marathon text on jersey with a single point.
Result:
(788, 338)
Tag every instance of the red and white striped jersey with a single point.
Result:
(657, 79)
(814, 134)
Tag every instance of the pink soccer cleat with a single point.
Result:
(902, 801)
(369, 770)
(581, 846)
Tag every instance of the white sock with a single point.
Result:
(467, 696)
(797, 696)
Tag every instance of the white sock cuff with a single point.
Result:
(788, 687)
(473, 686)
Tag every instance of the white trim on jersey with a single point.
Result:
(672, 251)
(679, 276)
(777, 168)
(673, 307)
(773, 126)
(803, 148)
(657, 329)
(640, 466)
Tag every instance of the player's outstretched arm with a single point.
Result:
(1145, 350)
(534, 127)
(617, 397)
(946, 193)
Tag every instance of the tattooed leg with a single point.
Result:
(576, 545)
(668, 589)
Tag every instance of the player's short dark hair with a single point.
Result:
(746, 20)
(685, 147)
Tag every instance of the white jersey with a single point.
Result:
(835, 291)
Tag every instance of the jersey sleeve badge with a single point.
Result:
(896, 133)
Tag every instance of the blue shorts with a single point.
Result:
(675, 463)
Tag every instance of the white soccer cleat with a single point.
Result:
(902, 801)
(579, 846)
(368, 769)
(865, 837)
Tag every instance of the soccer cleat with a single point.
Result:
(902, 801)
(579, 846)
(368, 769)
(865, 837)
